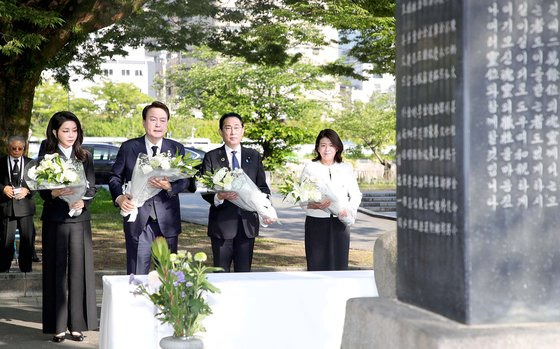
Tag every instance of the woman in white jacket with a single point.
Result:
(327, 232)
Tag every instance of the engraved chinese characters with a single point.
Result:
(477, 158)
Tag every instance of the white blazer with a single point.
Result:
(345, 185)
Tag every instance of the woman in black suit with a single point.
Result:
(68, 278)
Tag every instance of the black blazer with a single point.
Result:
(222, 220)
(166, 203)
(56, 209)
(12, 207)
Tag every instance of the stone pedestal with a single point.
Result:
(388, 323)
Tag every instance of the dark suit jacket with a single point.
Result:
(166, 203)
(12, 207)
(222, 220)
(56, 209)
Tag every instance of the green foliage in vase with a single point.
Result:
(177, 288)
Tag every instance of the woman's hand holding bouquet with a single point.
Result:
(64, 177)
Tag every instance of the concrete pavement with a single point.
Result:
(363, 233)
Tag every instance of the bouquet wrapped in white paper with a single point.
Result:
(161, 165)
(249, 196)
(338, 201)
(311, 189)
(55, 172)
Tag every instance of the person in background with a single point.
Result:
(327, 239)
(161, 214)
(232, 231)
(17, 207)
(68, 275)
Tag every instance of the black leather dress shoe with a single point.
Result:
(36, 259)
(58, 339)
(77, 336)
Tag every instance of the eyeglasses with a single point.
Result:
(17, 148)
(235, 128)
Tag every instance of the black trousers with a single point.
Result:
(68, 278)
(238, 250)
(8, 231)
(327, 244)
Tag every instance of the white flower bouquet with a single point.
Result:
(310, 189)
(299, 192)
(162, 165)
(249, 196)
(55, 172)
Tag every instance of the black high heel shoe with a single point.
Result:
(77, 336)
(59, 338)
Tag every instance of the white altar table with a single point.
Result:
(283, 310)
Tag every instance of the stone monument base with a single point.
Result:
(388, 323)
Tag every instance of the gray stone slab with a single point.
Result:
(477, 151)
(388, 323)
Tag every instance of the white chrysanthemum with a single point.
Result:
(165, 164)
(71, 176)
(49, 157)
(218, 177)
(154, 283)
(227, 181)
(32, 173)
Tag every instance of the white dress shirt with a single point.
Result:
(149, 146)
(229, 155)
(21, 165)
(345, 185)
(66, 151)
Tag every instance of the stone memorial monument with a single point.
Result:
(478, 190)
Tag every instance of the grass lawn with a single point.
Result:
(109, 245)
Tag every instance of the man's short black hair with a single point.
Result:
(155, 104)
(230, 115)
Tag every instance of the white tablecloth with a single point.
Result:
(284, 310)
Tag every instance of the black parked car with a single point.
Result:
(104, 156)
(194, 153)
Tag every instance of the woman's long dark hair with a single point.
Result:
(335, 140)
(54, 124)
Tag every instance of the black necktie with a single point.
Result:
(153, 209)
(234, 162)
(15, 173)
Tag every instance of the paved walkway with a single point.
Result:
(362, 234)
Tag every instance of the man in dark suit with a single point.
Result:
(160, 215)
(232, 231)
(17, 207)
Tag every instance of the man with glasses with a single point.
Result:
(16, 206)
(232, 231)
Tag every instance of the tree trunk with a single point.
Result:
(386, 164)
(17, 89)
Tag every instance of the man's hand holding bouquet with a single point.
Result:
(237, 187)
(152, 174)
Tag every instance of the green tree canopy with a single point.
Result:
(273, 100)
(48, 34)
(372, 124)
(119, 100)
